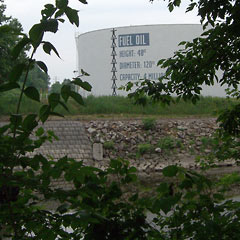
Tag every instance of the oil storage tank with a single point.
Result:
(116, 56)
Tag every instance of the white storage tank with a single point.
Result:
(136, 51)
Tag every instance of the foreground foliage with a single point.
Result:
(98, 205)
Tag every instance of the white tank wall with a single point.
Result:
(134, 62)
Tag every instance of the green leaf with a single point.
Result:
(53, 99)
(32, 93)
(160, 62)
(191, 7)
(218, 196)
(19, 47)
(48, 47)
(16, 72)
(29, 122)
(165, 204)
(170, 7)
(72, 15)
(61, 3)
(4, 128)
(84, 73)
(36, 34)
(50, 25)
(61, 20)
(132, 170)
(8, 86)
(83, 1)
(59, 13)
(133, 198)
(48, 11)
(43, 66)
(63, 208)
(129, 86)
(77, 97)
(52, 135)
(16, 119)
(65, 92)
(182, 43)
(163, 188)
(39, 132)
(56, 173)
(85, 85)
(44, 112)
(170, 171)
(177, 3)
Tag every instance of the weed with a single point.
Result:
(179, 144)
(144, 148)
(191, 142)
(207, 143)
(108, 145)
(166, 143)
(191, 150)
(131, 155)
(149, 123)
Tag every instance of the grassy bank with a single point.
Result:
(207, 106)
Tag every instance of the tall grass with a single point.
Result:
(210, 106)
(9, 100)
(207, 106)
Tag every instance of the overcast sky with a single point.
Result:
(97, 14)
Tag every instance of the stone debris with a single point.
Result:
(171, 142)
(158, 150)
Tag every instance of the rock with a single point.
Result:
(104, 130)
(150, 138)
(91, 130)
(121, 146)
(158, 150)
(133, 141)
(141, 138)
(207, 151)
(128, 134)
(105, 125)
(198, 143)
(182, 128)
(98, 151)
(181, 134)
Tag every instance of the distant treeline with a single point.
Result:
(207, 106)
